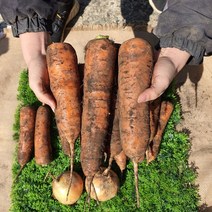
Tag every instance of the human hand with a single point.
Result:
(34, 51)
(170, 62)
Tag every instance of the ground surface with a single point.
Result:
(116, 19)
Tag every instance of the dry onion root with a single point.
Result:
(104, 186)
(60, 188)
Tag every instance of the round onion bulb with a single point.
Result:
(106, 186)
(60, 187)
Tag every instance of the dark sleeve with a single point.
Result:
(187, 25)
(28, 15)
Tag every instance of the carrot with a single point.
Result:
(135, 60)
(26, 137)
(42, 142)
(116, 151)
(65, 86)
(100, 60)
(154, 117)
(165, 113)
(65, 146)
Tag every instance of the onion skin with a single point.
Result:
(106, 186)
(60, 188)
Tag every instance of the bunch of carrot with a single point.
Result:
(137, 129)
(34, 136)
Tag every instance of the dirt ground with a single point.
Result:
(194, 88)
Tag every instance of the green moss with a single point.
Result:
(166, 184)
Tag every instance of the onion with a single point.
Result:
(106, 186)
(60, 187)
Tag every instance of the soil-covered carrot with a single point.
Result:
(165, 113)
(116, 151)
(65, 85)
(42, 140)
(65, 146)
(26, 137)
(154, 117)
(135, 60)
(100, 60)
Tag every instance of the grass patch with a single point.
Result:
(166, 184)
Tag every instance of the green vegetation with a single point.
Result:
(167, 184)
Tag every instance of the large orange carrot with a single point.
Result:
(65, 86)
(100, 60)
(135, 62)
(26, 137)
(165, 113)
(42, 140)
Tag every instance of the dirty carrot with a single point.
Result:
(65, 85)
(42, 140)
(100, 60)
(116, 151)
(26, 137)
(154, 117)
(135, 61)
(165, 113)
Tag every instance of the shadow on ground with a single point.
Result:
(204, 208)
(4, 45)
(192, 73)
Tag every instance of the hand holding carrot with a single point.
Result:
(170, 62)
(34, 51)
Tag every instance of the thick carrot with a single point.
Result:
(165, 113)
(26, 137)
(65, 85)
(135, 60)
(42, 140)
(100, 60)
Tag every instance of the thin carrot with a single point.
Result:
(165, 113)
(154, 117)
(116, 151)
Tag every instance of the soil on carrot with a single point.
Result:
(166, 184)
